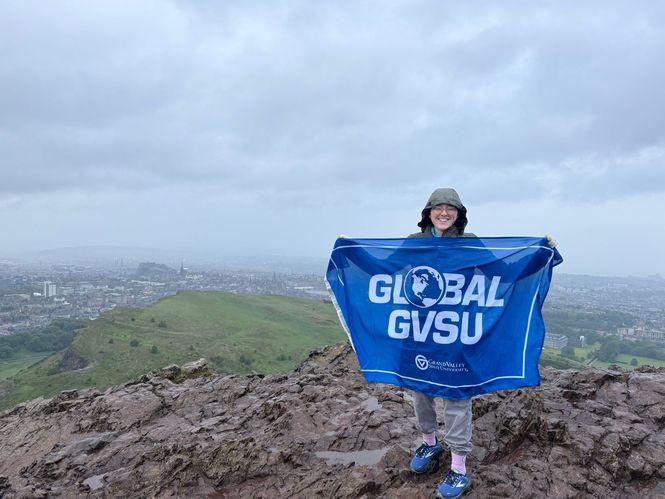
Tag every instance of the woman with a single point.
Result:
(444, 215)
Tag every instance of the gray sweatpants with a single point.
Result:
(457, 418)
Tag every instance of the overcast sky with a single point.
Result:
(274, 126)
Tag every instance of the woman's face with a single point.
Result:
(443, 216)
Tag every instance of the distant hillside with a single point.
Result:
(236, 333)
(154, 271)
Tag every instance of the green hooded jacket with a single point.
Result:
(444, 195)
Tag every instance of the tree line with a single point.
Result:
(57, 336)
(574, 322)
(610, 349)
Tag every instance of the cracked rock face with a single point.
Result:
(321, 431)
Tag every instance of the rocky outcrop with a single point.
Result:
(72, 361)
(321, 431)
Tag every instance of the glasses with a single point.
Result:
(440, 208)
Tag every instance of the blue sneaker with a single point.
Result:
(426, 457)
(454, 485)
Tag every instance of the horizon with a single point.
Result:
(203, 258)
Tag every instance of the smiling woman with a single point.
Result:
(444, 215)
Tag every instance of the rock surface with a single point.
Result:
(71, 361)
(321, 431)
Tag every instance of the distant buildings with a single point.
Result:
(49, 289)
(86, 292)
(641, 333)
(557, 341)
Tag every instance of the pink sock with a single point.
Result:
(458, 465)
(429, 438)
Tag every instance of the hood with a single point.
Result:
(448, 196)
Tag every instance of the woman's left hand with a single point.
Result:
(551, 241)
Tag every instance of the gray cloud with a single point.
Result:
(205, 92)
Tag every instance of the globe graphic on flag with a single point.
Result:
(423, 286)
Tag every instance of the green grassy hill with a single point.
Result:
(23, 359)
(235, 333)
(551, 357)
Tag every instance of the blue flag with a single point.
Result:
(449, 317)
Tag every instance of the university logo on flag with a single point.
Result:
(450, 317)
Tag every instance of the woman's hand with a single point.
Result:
(551, 242)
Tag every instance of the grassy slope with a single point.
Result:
(274, 332)
(623, 361)
(9, 368)
(551, 357)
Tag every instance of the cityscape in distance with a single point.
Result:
(83, 283)
(80, 284)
